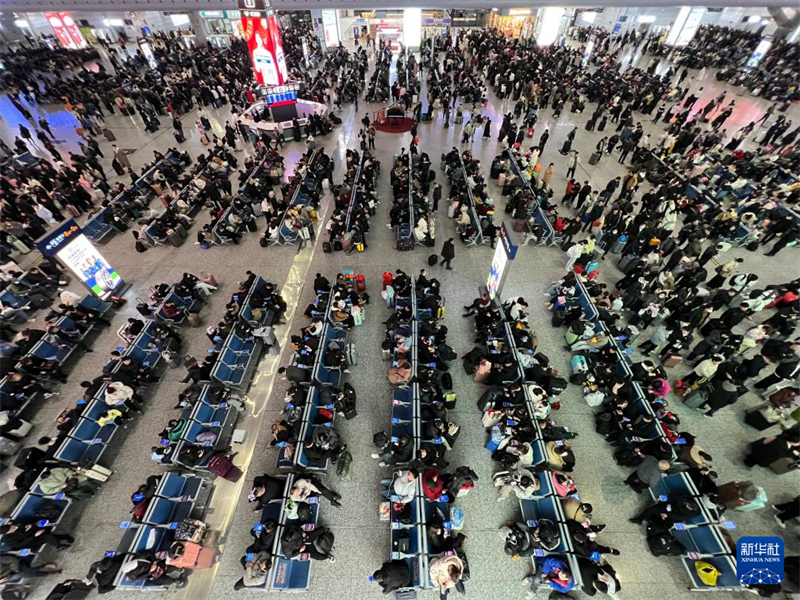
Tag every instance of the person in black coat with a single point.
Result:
(392, 576)
(766, 451)
(448, 254)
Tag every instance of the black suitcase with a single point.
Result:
(176, 239)
(447, 381)
(252, 225)
(433, 259)
(326, 247)
(143, 308)
(178, 136)
(450, 400)
(558, 317)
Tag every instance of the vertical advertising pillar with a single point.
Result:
(65, 29)
(75, 251)
(263, 37)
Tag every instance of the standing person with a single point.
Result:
(787, 511)
(548, 175)
(543, 140)
(121, 157)
(573, 164)
(46, 127)
(448, 254)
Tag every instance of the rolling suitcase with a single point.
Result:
(256, 208)
(326, 247)
(8, 447)
(223, 467)
(594, 158)
(143, 307)
(194, 556)
(175, 238)
(783, 465)
(450, 400)
(178, 136)
(627, 263)
(109, 135)
(351, 354)
(619, 244)
(252, 225)
(519, 225)
(579, 364)
(696, 398)
(361, 283)
(672, 360)
(433, 259)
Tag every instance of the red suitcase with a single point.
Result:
(223, 467)
(388, 278)
(194, 557)
(361, 283)
(672, 360)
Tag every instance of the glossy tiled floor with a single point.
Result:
(361, 540)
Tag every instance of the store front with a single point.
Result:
(221, 26)
(513, 22)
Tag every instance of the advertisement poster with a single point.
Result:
(60, 30)
(75, 251)
(256, 33)
(73, 30)
(277, 46)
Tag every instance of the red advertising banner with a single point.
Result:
(74, 31)
(277, 45)
(266, 50)
(62, 33)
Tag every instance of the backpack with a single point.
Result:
(324, 543)
(380, 439)
(665, 545)
(344, 463)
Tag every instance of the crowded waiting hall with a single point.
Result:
(356, 301)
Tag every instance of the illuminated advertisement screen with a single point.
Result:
(62, 33)
(257, 34)
(144, 46)
(75, 251)
(277, 47)
(499, 264)
(73, 30)
(761, 50)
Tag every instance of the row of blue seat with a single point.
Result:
(246, 312)
(45, 350)
(550, 237)
(702, 535)
(99, 225)
(176, 498)
(545, 503)
(85, 443)
(288, 235)
(206, 416)
(185, 304)
(286, 574)
(354, 196)
(321, 376)
(477, 239)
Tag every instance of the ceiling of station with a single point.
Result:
(185, 5)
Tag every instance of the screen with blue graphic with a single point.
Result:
(759, 560)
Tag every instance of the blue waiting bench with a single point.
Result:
(237, 360)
